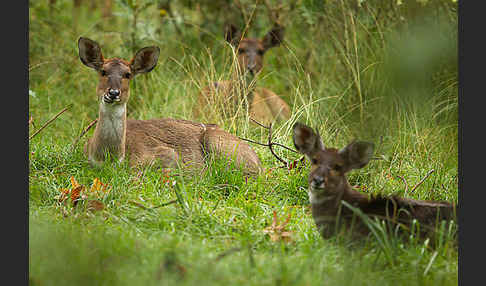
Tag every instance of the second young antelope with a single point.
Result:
(264, 105)
(166, 141)
(329, 188)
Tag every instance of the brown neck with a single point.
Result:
(326, 205)
(327, 201)
(110, 133)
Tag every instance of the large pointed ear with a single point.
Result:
(306, 140)
(357, 154)
(90, 53)
(274, 37)
(232, 34)
(145, 60)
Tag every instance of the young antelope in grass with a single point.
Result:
(329, 188)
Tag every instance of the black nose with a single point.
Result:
(318, 180)
(114, 93)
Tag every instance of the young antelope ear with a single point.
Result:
(274, 37)
(145, 60)
(90, 53)
(306, 140)
(357, 154)
(232, 34)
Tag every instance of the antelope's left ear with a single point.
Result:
(306, 140)
(357, 154)
(274, 37)
(145, 60)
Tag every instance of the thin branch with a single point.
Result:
(84, 132)
(226, 253)
(165, 204)
(140, 205)
(256, 122)
(405, 182)
(423, 179)
(270, 145)
(273, 143)
(49, 121)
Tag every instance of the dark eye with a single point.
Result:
(103, 73)
(241, 51)
(261, 52)
(337, 167)
(128, 75)
(314, 161)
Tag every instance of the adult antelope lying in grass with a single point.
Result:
(331, 195)
(264, 105)
(166, 141)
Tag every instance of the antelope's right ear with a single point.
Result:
(90, 53)
(357, 154)
(274, 38)
(232, 34)
(306, 140)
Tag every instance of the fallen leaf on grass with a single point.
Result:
(99, 186)
(277, 231)
(167, 178)
(78, 192)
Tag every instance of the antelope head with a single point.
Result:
(329, 165)
(250, 51)
(115, 73)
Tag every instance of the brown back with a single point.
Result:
(329, 187)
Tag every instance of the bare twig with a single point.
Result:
(84, 132)
(258, 123)
(421, 181)
(226, 253)
(165, 204)
(405, 182)
(140, 205)
(273, 143)
(270, 145)
(49, 121)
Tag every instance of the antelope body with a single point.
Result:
(165, 141)
(329, 187)
(264, 105)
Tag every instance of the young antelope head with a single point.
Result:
(251, 50)
(115, 74)
(329, 165)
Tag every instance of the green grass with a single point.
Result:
(214, 234)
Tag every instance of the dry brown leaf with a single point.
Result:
(277, 231)
(98, 186)
(77, 192)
